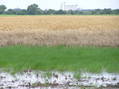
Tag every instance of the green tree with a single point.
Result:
(60, 12)
(16, 11)
(70, 12)
(107, 11)
(21, 12)
(50, 11)
(10, 12)
(2, 9)
(116, 11)
(33, 9)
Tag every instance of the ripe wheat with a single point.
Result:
(59, 30)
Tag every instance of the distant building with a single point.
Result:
(70, 6)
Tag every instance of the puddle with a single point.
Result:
(57, 80)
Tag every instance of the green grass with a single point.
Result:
(61, 58)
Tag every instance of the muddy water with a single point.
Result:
(58, 80)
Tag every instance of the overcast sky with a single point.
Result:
(56, 4)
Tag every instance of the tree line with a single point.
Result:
(34, 9)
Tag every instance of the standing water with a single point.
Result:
(57, 80)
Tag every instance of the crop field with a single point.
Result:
(59, 51)
(60, 30)
(99, 34)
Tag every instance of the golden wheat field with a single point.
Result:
(59, 30)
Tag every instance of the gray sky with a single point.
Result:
(56, 4)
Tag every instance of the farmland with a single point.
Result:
(58, 22)
(60, 30)
(56, 51)
(62, 48)
(72, 33)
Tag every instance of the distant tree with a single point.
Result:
(39, 11)
(107, 11)
(77, 12)
(45, 12)
(116, 11)
(33, 9)
(60, 12)
(2, 9)
(50, 11)
(96, 12)
(10, 12)
(70, 12)
(19, 11)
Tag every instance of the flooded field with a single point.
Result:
(57, 80)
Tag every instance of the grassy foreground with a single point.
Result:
(92, 59)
